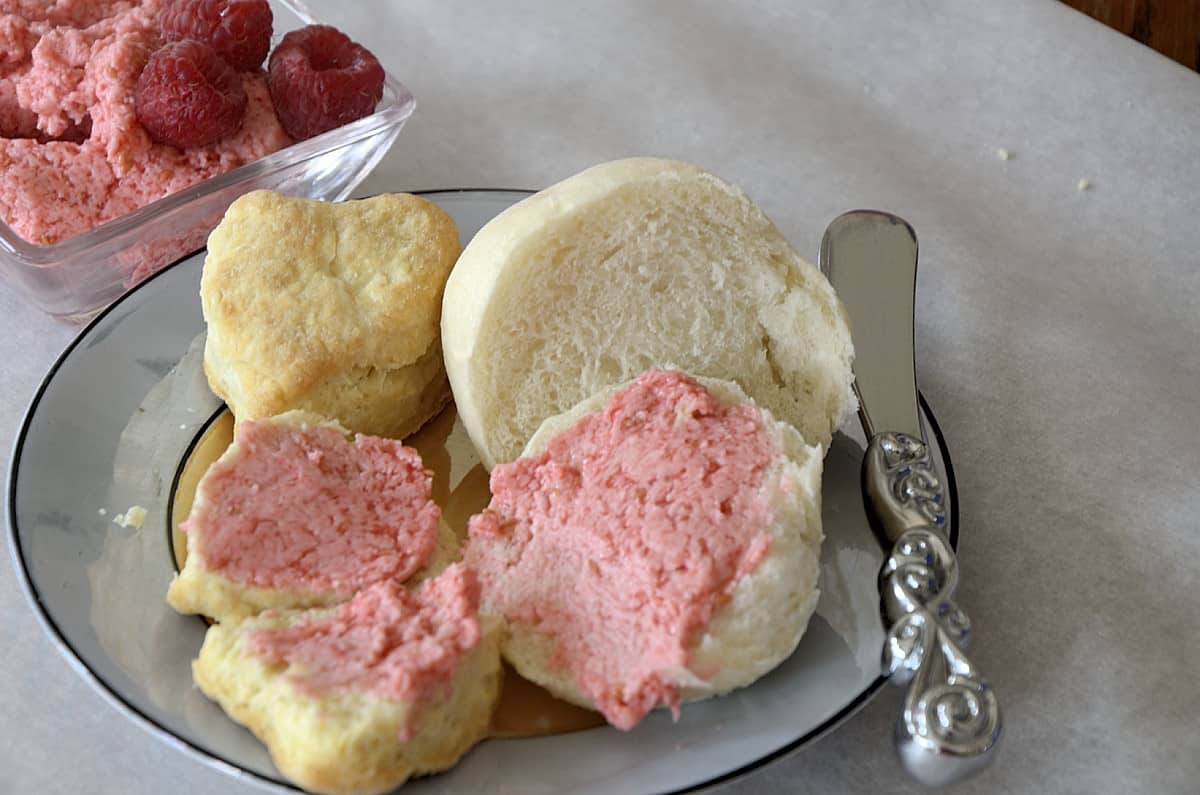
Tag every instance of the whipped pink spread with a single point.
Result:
(402, 645)
(305, 509)
(622, 538)
(72, 152)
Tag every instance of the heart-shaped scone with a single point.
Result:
(330, 308)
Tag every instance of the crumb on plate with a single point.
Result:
(134, 517)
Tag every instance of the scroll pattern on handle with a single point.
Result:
(951, 718)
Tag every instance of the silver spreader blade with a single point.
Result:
(870, 257)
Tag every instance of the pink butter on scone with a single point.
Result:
(403, 645)
(303, 508)
(623, 537)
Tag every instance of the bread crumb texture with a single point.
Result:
(630, 265)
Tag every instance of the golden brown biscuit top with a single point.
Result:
(295, 290)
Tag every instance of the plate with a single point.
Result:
(109, 429)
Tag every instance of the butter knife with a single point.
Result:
(950, 722)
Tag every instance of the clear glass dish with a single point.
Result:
(73, 278)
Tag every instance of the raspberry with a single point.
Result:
(187, 96)
(239, 30)
(320, 79)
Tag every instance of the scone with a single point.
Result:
(658, 543)
(295, 514)
(357, 699)
(330, 308)
(630, 265)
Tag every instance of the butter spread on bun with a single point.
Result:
(656, 544)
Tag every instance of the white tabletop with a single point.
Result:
(1058, 328)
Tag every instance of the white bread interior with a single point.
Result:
(629, 265)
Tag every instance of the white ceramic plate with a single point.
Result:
(109, 429)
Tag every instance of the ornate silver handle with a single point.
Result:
(951, 720)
